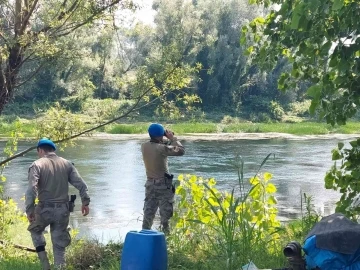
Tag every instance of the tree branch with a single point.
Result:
(98, 12)
(2, 78)
(32, 75)
(28, 15)
(19, 246)
(23, 61)
(132, 109)
(18, 16)
(2, 36)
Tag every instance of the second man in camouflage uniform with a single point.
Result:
(159, 191)
(49, 179)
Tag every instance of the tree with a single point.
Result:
(33, 30)
(321, 40)
(222, 54)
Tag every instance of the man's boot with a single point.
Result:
(44, 260)
(165, 228)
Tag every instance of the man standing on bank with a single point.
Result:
(159, 189)
(49, 179)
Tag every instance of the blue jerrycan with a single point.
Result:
(144, 250)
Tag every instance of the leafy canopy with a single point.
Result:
(321, 41)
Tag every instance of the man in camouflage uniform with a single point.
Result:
(159, 191)
(49, 179)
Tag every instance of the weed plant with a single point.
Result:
(227, 229)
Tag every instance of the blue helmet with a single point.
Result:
(156, 130)
(45, 141)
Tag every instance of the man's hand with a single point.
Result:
(169, 134)
(31, 217)
(85, 210)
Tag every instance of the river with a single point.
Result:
(114, 172)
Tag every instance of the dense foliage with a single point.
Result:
(320, 39)
(116, 59)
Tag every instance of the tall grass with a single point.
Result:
(303, 128)
(9, 125)
(137, 128)
(20, 263)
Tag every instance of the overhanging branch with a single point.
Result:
(132, 109)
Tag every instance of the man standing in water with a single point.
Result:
(49, 179)
(159, 189)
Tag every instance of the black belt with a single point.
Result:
(53, 205)
(158, 180)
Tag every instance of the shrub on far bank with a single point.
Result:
(300, 108)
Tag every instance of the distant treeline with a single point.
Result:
(104, 60)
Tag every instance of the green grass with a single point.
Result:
(303, 128)
(137, 128)
(7, 125)
(178, 128)
(20, 263)
(190, 127)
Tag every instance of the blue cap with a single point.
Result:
(45, 141)
(156, 130)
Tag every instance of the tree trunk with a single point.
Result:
(9, 74)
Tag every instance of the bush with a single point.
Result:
(105, 109)
(90, 254)
(231, 229)
(227, 119)
(58, 124)
(300, 108)
(73, 104)
(276, 111)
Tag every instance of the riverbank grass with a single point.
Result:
(303, 128)
(29, 127)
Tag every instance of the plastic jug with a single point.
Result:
(144, 250)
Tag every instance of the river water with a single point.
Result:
(114, 172)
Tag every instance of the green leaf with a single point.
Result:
(260, 20)
(353, 143)
(313, 106)
(336, 154)
(249, 50)
(295, 21)
(272, 200)
(338, 4)
(340, 145)
(267, 176)
(325, 48)
(314, 91)
(297, 13)
(243, 39)
(270, 188)
(329, 181)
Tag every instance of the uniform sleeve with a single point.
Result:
(32, 190)
(76, 180)
(174, 149)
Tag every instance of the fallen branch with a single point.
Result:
(18, 246)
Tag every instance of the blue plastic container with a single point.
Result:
(144, 250)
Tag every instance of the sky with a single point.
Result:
(144, 14)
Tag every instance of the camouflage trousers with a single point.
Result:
(57, 216)
(158, 195)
